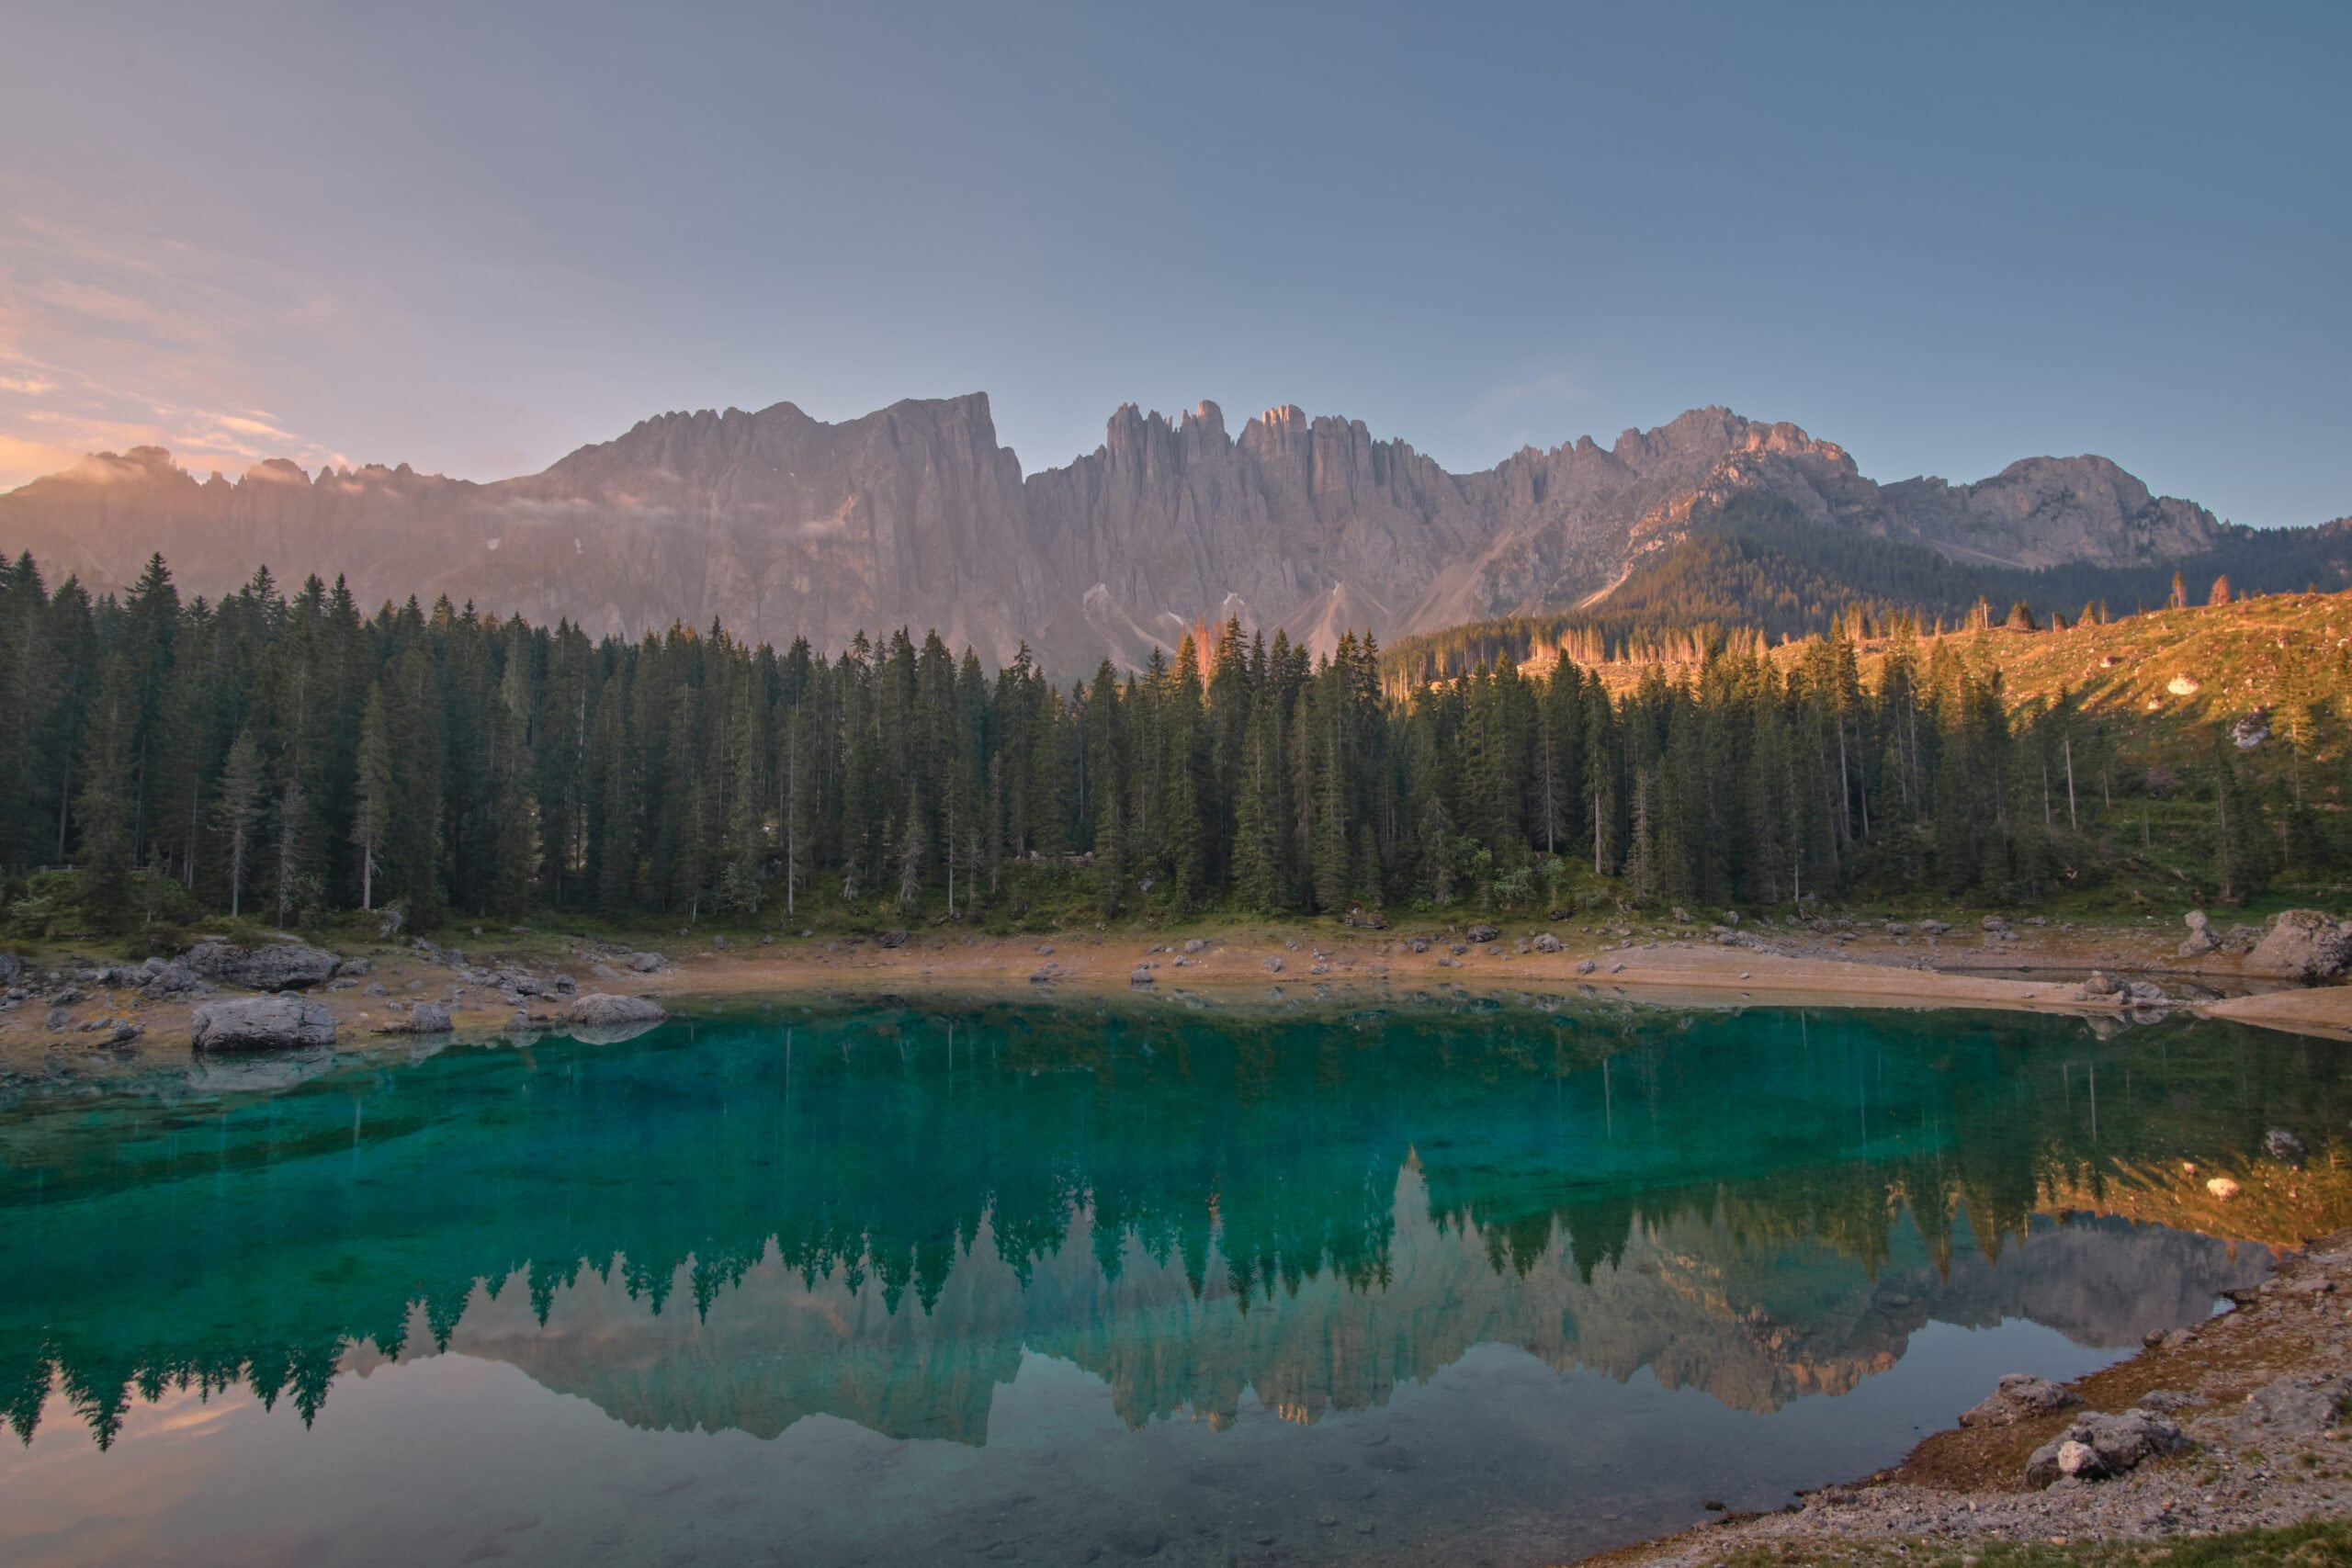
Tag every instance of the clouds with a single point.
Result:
(112, 338)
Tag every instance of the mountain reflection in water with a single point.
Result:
(739, 1222)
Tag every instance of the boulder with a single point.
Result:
(428, 1017)
(274, 967)
(644, 963)
(1142, 976)
(2018, 1396)
(597, 1019)
(261, 1024)
(891, 938)
(171, 981)
(2284, 1146)
(2098, 1446)
(1197, 945)
(1546, 942)
(2099, 985)
(1275, 966)
(2303, 944)
(2294, 1409)
(598, 1010)
(1934, 928)
(1483, 934)
(351, 968)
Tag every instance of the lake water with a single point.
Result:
(874, 1284)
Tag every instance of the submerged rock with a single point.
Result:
(261, 1024)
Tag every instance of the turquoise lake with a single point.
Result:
(883, 1285)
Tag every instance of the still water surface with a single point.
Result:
(1023, 1284)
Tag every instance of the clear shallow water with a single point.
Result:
(1066, 1286)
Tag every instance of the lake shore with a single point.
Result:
(2026, 968)
(2256, 1391)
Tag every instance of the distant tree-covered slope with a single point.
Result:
(1754, 564)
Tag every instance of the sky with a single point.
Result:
(472, 237)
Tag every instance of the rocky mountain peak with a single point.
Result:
(782, 524)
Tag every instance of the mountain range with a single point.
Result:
(778, 524)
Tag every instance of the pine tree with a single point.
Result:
(293, 847)
(240, 813)
(913, 848)
(374, 794)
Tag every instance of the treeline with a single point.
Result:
(288, 756)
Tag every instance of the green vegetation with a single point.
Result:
(291, 761)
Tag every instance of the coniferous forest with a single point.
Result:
(285, 756)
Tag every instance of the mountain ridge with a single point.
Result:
(779, 524)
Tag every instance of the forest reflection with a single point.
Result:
(739, 1221)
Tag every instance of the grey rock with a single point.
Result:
(2285, 1146)
(1195, 946)
(2303, 944)
(1274, 965)
(891, 938)
(1482, 933)
(260, 1024)
(2018, 1396)
(1142, 976)
(2293, 1408)
(351, 968)
(428, 1017)
(273, 966)
(645, 963)
(1934, 928)
(601, 1008)
(1546, 942)
(2201, 940)
(2116, 1443)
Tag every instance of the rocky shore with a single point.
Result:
(66, 1017)
(2237, 1426)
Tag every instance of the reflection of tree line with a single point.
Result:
(850, 1144)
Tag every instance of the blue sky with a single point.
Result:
(472, 237)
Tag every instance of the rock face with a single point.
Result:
(261, 1024)
(277, 966)
(783, 526)
(2303, 944)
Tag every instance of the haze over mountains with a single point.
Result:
(779, 526)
